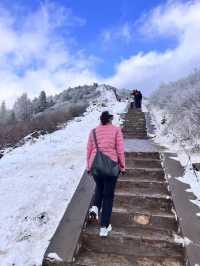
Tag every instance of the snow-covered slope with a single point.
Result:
(37, 182)
(179, 103)
(169, 138)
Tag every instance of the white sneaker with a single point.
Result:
(104, 231)
(93, 213)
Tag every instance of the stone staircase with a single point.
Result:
(143, 219)
(135, 125)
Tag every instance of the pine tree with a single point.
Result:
(12, 118)
(51, 102)
(42, 101)
(3, 113)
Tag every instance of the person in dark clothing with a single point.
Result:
(132, 99)
(104, 196)
(138, 99)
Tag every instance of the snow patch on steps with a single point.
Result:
(53, 257)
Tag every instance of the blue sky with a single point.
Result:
(99, 16)
(54, 44)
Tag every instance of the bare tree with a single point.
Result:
(180, 102)
(23, 108)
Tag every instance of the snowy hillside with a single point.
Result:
(177, 105)
(44, 114)
(80, 95)
(175, 111)
(37, 182)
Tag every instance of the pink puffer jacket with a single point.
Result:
(110, 141)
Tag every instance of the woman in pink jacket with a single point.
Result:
(110, 142)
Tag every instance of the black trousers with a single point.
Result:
(104, 196)
(132, 105)
(138, 103)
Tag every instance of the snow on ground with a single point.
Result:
(184, 154)
(192, 178)
(37, 182)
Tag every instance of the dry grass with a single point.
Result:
(11, 135)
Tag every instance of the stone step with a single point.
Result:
(89, 258)
(135, 136)
(143, 201)
(130, 130)
(149, 173)
(135, 133)
(140, 126)
(135, 114)
(132, 241)
(141, 179)
(134, 123)
(134, 118)
(164, 197)
(136, 127)
(140, 163)
(141, 186)
(135, 130)
(142, 155)
(146, 219)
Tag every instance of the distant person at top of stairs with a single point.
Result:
(132, 99)
(111, 143)
(137, 98)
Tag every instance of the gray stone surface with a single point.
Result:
(186, 210)
(64, 241)
(140, 145)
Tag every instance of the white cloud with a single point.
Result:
(122, 33)
(34, 55)
(147, 70)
